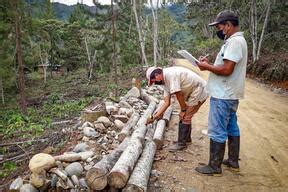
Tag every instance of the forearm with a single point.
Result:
(218, 70)
(163, 108)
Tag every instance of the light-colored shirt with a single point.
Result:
(182, 79)
(232, 86)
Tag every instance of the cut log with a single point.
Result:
(120, 173)
(128, 126)
(96, 177)
(145, 97)
(160, 128)
(159, 132)
(167, 114)
(71, 157)
(141, 128)
(140, 176)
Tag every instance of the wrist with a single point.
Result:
(184, 109)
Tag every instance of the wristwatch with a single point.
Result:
(184, 110)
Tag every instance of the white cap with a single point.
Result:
(149, 72)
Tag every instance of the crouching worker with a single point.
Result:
(189, 89)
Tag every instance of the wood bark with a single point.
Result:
(140, 34)
(96, 177)
(120, 173)
(155, 31)
(141, 127)
(20, 59)
(128, 126)
(160, 128)
(145, 97)
(68, 157)
(140, 176)
(2, 91)
(263, 30)
(253, 28)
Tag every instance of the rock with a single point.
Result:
(122, 118)
(124, 104)
(40, 162)
(87, 167)
(81, 147)
(111, 109)
(87, 124)
(74, 169)
(113, 133)
(105, 121)
(83, 183)
(134, 92)
(28, 188)
(90, 132)
(37, 180)
(70, 183)
(16, 184)
(91, 116)
(86, 139)
(54, 180)
(119, 124)
(75, 180)
(89, 159)
(125, 111)
(85, 155)
(100, 127)
(48, 150)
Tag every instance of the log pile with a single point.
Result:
(115, 151)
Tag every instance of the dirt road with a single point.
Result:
(263, 120)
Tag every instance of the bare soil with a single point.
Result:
(263, 120)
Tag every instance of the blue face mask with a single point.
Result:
(220, 34)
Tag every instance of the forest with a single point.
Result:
(56, 59)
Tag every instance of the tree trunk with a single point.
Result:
(140, 175)
(120, 173)
(160, 128)
(155, 31)
(263, 30)
(20, 59)
(2, 90)
(253, 28)
(114, 62)
(128, 126)
(139, 29)
(88, 56)
(96, 177)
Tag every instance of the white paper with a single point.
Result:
(189, 57)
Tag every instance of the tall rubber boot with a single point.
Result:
(233, 153)
(181, 142)
(188, 138)
(217, 151)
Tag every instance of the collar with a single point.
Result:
(239, 33)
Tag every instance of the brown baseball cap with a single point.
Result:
(224, 16)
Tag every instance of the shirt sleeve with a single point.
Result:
(233, 51)
(174, 83)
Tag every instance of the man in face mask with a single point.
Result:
(225, 86)
(189, 89)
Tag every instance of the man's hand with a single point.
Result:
(150, 120)
(182, 115)
(204, 63)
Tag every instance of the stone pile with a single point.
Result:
(98, 143)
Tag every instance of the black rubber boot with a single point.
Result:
(217, 151)
(188, 138)
(181, 142)
(233, 153)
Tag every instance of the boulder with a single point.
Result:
(99, 126)
(122, 118)
(81, 147)
(37, 180)
(16, 184)
(74, 169)
(40, 162)
(28, 188)
(105, 120)
(90, 132)
(85, 155)
(119, 124)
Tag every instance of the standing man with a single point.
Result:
(225, 86)
(189, 89)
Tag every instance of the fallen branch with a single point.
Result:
(128, 126)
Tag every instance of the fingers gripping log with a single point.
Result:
(96, 177)
(128, 126)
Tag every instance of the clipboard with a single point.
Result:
(189, 57)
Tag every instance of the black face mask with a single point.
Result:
(220, 34)
(159, 82)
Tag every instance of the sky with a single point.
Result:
(87, 2)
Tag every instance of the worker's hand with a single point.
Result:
(182, 115)
(203, 65)
(203, 59)
(149, 120)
